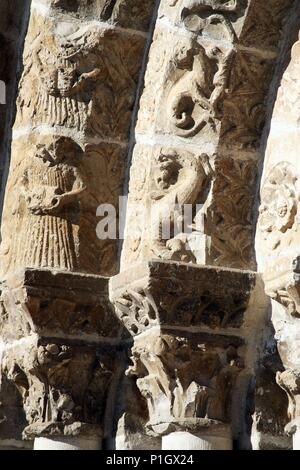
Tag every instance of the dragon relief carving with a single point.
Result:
(198, 90)
(182, 381)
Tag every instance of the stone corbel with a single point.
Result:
(189, 350)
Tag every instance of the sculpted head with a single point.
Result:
(61, 150)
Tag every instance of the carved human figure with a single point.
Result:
(175, 184)
(51, 186)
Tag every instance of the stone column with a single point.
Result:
(187, 441)
(191, 349)
(76, 98)
(278, 233)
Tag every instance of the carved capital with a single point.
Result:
(180, 295)
(186, 384)
(60, 304)
(59, 335)
(63, 387)
(188, 349)
(282, 284)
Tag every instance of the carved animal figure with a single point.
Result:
(196, 97)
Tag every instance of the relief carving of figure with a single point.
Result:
(278, 210)
(196, 97)
(175, 184)
(49, 205)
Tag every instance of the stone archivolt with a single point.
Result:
(208, 92)
(186, 385)
(74, 108)
(277, 239)
(61, 356)
(183, 333)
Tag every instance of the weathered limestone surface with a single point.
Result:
(270, 404)
(277, 239)
(199, 126)
(59, 333)
(176, 351)
(192, 354)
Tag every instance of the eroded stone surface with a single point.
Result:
(209, 71)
